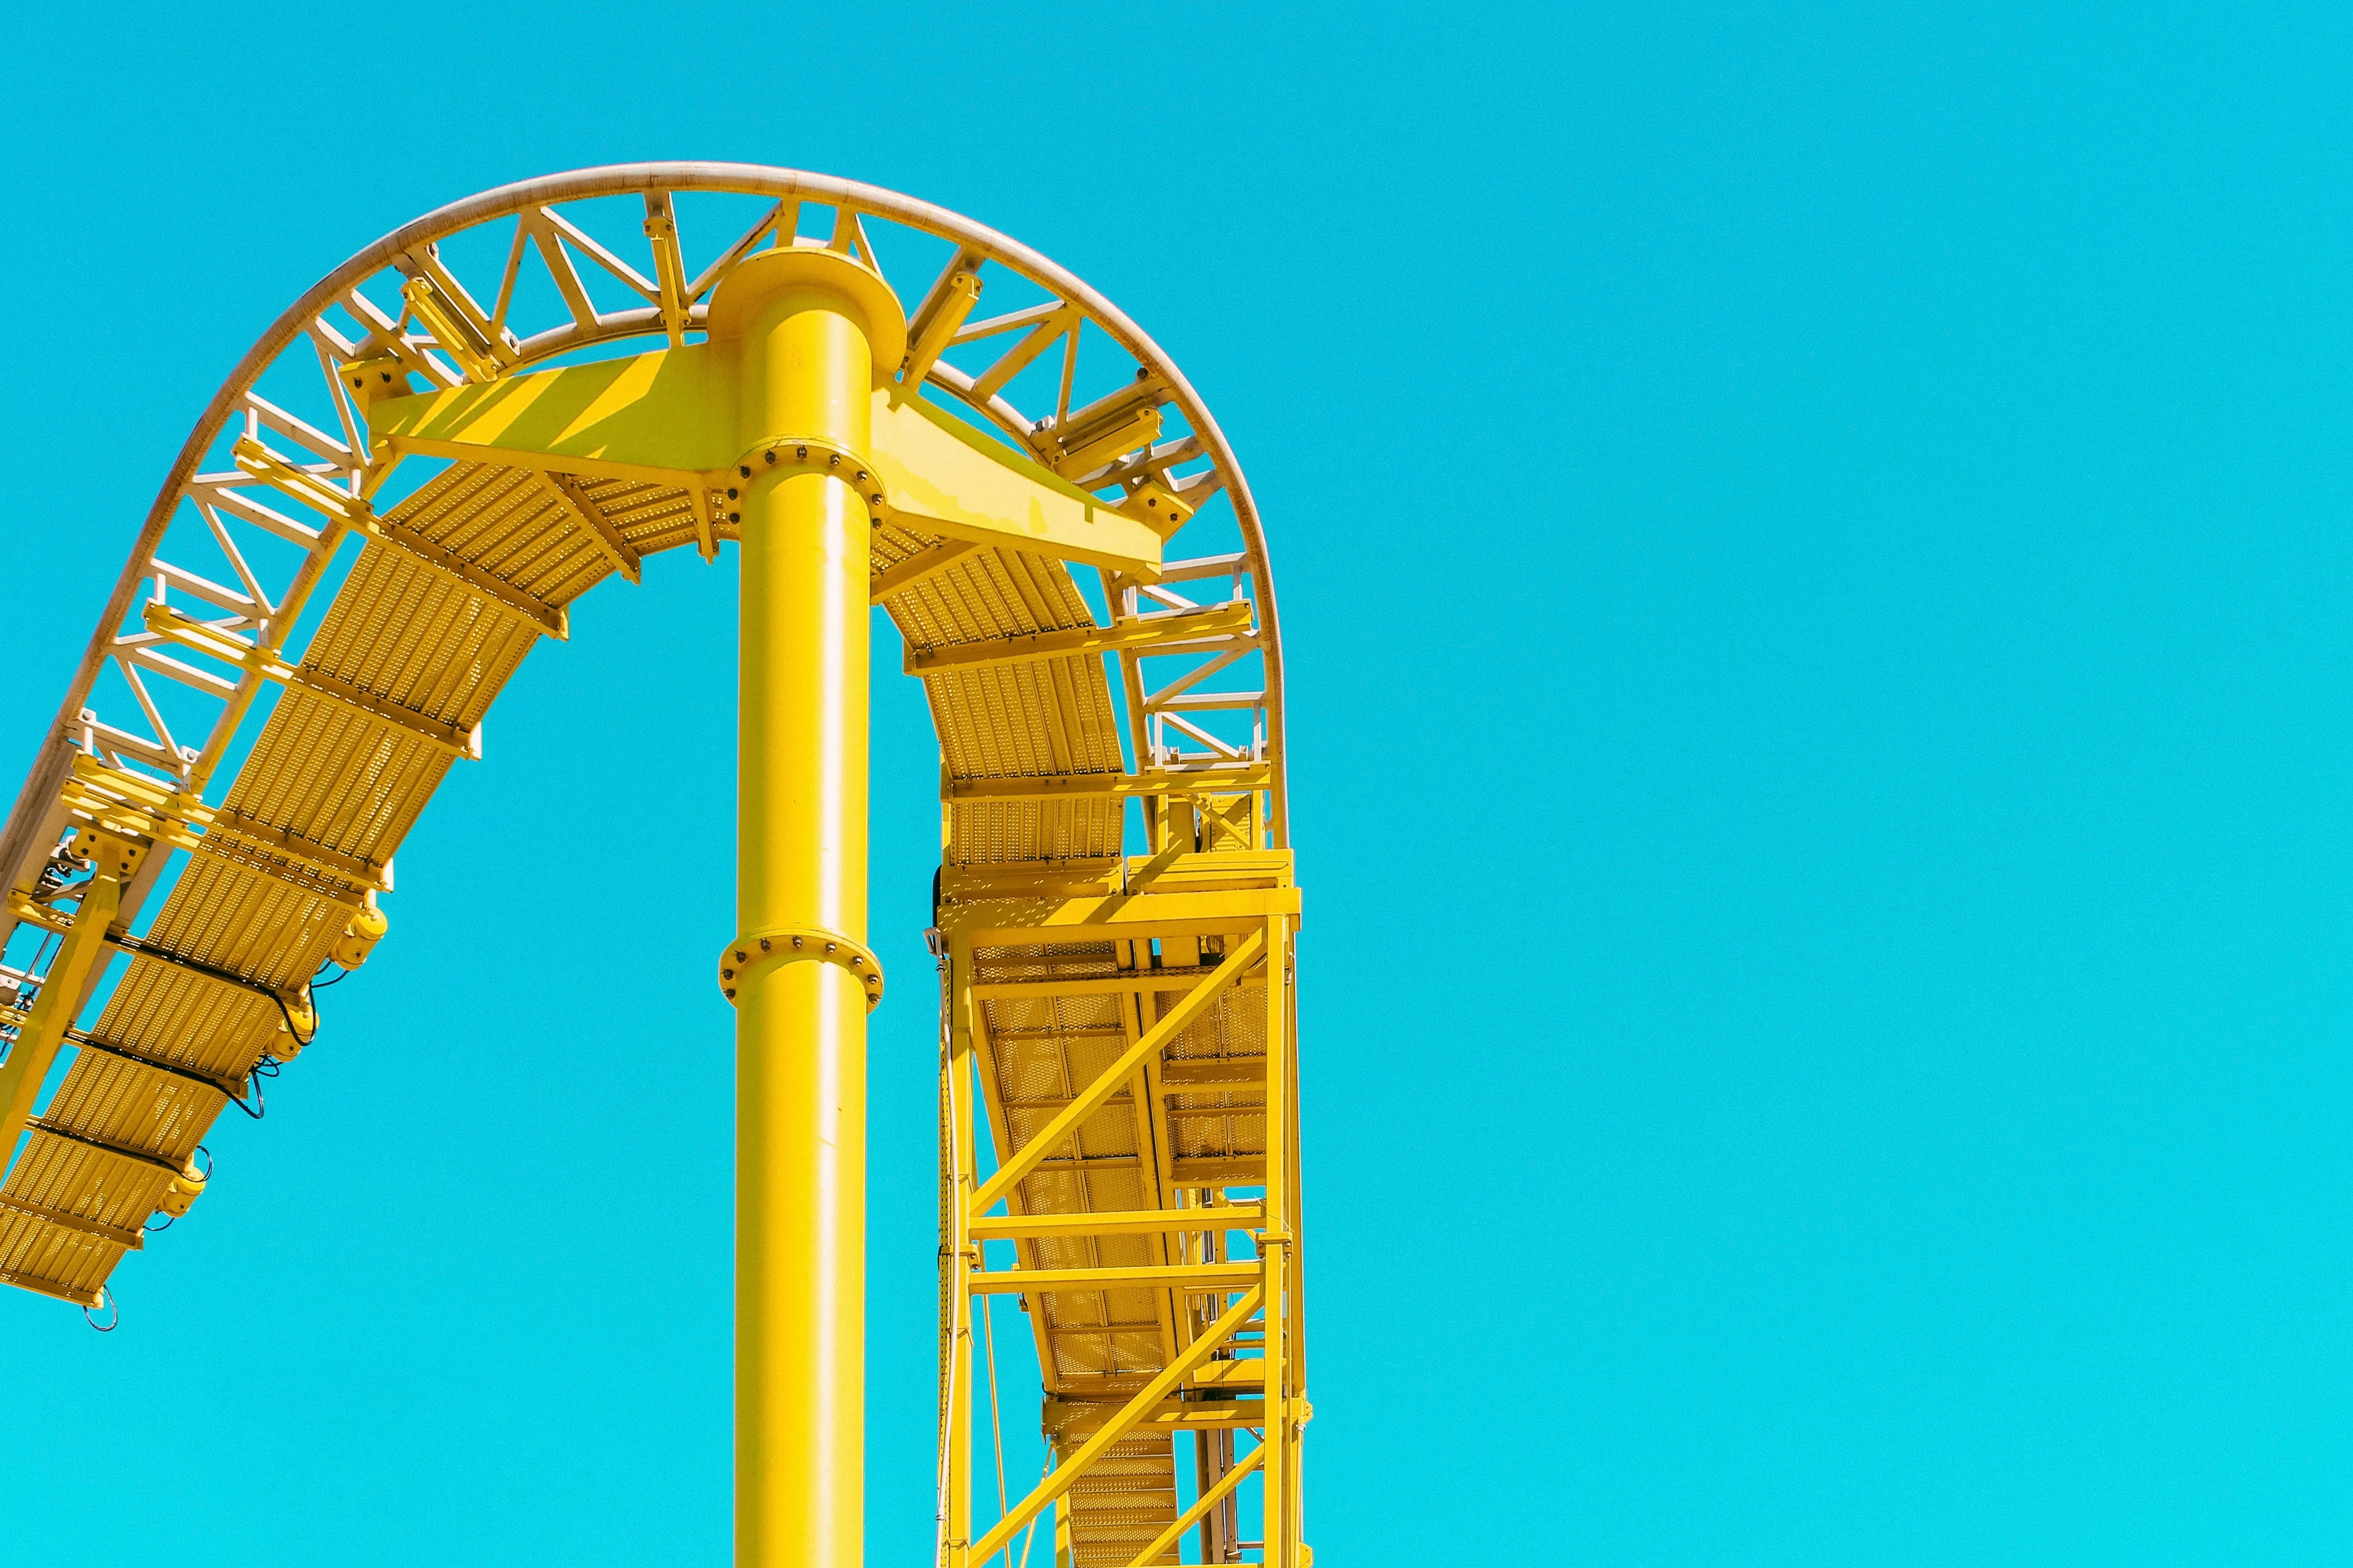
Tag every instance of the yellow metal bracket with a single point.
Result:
(799, 944)
(669, 417)
(1212, 624)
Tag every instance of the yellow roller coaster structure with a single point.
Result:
(491, 411)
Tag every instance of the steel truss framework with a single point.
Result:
(320, 608)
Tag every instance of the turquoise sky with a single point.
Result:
(1814, 564)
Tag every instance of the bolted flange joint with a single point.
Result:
(803, 455)
(799, 944)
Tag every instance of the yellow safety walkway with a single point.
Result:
(1117, 1026)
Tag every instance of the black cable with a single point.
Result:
(260, 1105)
(300, 1038)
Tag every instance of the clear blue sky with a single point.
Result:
(1814, 558)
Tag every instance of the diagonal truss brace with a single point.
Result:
(1114, 1078)
(1201, 1506)
(1130, 1416)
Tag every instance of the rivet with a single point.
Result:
(862, 475)
(726, 974)
(801, 452)
(834, 461)
(772, 457)
(830, 946)
(734, 516)
(730, 993)
(764, 944)
(740, 955)
(745, 473)
(731, 492)
(796, 941)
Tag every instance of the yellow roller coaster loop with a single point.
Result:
(512, 399)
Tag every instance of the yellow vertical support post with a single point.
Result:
(1275, 1474)
(808, 327)
(959, 1258)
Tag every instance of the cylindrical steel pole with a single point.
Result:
(805, 328)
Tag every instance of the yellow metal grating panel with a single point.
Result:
(135, 1107)
(337, 777)
(1124, 1500)
(176, 1017)
(650, 517)
(1038, 718)
(511, 523)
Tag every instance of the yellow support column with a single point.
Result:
(1274, 1252)
(958, 1256)
(810, 324)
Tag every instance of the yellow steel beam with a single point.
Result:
(23, 909)
(937, 321)
(1140, 915)
(671, 417)
(1074, 1418)
(942, 476)
(48, 1128)
(1154, 1222)
(41, 1287)
(1197, 1278)
(1114, 1078)
(1216, 622)
(1127, 982)
(1081, 787)
(1171, 870)
(129, 1240)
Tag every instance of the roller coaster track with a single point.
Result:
(322, 606)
